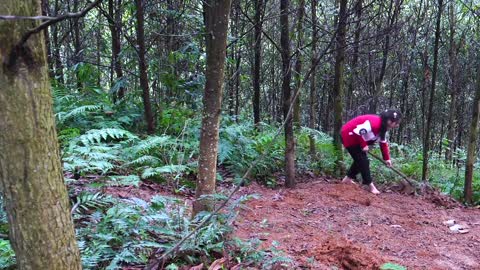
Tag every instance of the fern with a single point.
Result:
(78, 111)
(129, 180)
(97, 135)
(168, 169)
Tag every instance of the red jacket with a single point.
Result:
(363, 130)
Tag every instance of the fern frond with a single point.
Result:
(97, 135)
(152, 142)
(168, 169)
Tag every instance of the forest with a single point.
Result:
(208, 134)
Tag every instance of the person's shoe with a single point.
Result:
(373, 189)
(348, 180)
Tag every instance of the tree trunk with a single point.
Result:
(338, 84)
(472, 144)
(56, 48)
(115, 13)
(142, 66)
(46, 12)
(216, 17)
(287, 95)
(313, 79)
(452, 56)
(355, 56)
(257, 60)
(298, 62)
(426, 146)
(31, 177)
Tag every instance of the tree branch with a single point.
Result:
(49, 22)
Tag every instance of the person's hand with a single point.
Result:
(388, 162)
(365, 149)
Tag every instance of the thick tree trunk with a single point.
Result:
(31, 177)
(472, 144)
(142, 66)
(257, 63)
(216, 17)
(298, 62)
(338, 84)
(287, 95)
(426, 145)
(313, 79)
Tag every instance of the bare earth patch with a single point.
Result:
(326, 225)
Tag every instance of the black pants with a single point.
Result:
(360, 164)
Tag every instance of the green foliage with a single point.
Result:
(7, 255)
(127, 231)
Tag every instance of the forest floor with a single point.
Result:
(323, 224)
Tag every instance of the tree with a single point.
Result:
(216, 16)
(426, 145)
(115, 25)
(142, 66)
(313, 79)
(257, 60)
(298, 62)
(31, 177)
(472, 144)
(338, 85)
(287, 94)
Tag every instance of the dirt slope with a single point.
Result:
(326, 225)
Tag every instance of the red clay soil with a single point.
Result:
(323, 225)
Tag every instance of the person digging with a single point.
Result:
(362, 131)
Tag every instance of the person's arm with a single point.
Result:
(385, 152)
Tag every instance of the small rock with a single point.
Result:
(449, 223)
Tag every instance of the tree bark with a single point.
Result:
(338, 84)
(452, 56)
(313, 79)
(298, 62)
(216, 17)
(31, 177)
(472, 144)
(426, 146)
(287, 94)
(257, 63)
(115, 14)
(56, 48)
(142, 66)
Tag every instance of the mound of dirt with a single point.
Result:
(345, 254)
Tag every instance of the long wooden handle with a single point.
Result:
(392, 168)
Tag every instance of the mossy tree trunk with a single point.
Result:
(31, 177)
(216, 16)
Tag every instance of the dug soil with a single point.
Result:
(327, 225)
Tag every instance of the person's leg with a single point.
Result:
(363, 166)
(354, 168)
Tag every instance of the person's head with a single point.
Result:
(390, 119)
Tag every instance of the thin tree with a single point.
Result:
(298, 62)
(472, 143)
(115, 25)
(338, 84)
(313, 79)
(426, 145)
(216, 17)
(287, 94)
(257, 47)
(31, 178)
(142, 66)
